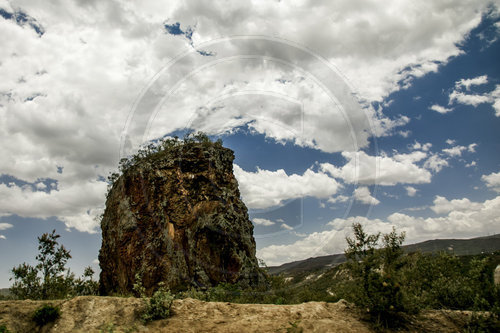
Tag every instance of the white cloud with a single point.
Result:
(404, 134)
(492, 181)
(424, 147)
(467, 83)
(411, 191)
(67, 203)
(264, 188)
(472, 148)
(454, 151)
(475, 219)
(495, 98)
(475, 99)
(362, 194)
(443, 205)
(5, 226)
(435, 163)
(264, 222)
(338, 198)
(68, 93)
(382, 170)
(471, 164)
(450, 142)
(440, 109)
(468, 99)
(286, 226)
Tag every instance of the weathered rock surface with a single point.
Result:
(177, 217)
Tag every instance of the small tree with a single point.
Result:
(377, 274)
(52, 259)
(50, 278)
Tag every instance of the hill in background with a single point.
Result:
(460, 247)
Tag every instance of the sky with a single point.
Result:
(338, 112)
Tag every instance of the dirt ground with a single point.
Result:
(119, 314)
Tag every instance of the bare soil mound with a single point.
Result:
(118, 314)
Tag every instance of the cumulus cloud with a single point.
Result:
(469, 99)
(411, 191)
(435, 163)
(362, 194)
(265, 188)
(67, 203)
(472, 220)
(492, 181)
(443, 205)
(454, 151)
(467, 83)
(4, 226)
(472, 148)
(459, 96)
(65, 93)
(264, 222)
(440, 109)
(418, 146)
(338, 198)
(382, 170)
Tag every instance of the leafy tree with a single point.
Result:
(86, 285)
(52, 259)
(377, 275)
(49, 278)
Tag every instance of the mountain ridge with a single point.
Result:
(469, 246)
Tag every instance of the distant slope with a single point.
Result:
(4, 292)
(458, 246)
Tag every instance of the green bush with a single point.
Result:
(377, 276)
(50, 279)
(4, 329)
(157, 306)
(46, 314)
(484, 322)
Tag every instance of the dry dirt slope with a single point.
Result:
(116, 314)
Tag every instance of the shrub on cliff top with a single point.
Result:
(165, 144)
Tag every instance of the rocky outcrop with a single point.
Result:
(175, 216)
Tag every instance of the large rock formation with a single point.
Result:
(176, 216)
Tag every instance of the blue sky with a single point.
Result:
(337, 112)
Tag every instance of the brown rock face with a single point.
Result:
(176, 217)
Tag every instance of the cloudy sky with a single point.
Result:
(338, 111)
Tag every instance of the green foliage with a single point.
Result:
(483, 322)
(46, 314)
(294, 327)
(157, 306)
(49, 278)
(46, 280)
(377, 275)
(171, 145)
(108, 328)
(86, 285)
(4, 329)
